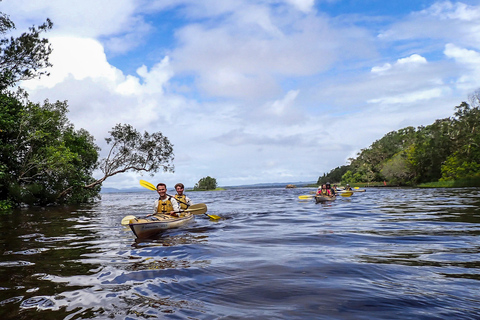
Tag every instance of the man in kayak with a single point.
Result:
(348, 188)
(165, 204)
(182, 198)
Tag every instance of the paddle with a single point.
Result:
(150, 186)
(306, 197)
(147, 185)
(342, 193)
(199, 208)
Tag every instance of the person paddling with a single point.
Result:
(182, 198)
(165, 204)
(330, 191)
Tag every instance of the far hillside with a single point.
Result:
(446, 153)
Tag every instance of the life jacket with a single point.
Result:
(182, 201)
(324, 192)
(164, 206)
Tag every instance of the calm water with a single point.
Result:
(382, 254)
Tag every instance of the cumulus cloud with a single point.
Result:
(403, 63)
(451, 21)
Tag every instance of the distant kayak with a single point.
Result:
(319, 198)
(144, 228)
(352, 190)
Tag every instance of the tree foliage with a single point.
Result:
(43, 159)
(448, 149)
(206, 183)
(24, 57)
(131, 150)
(334, 175)
(41, 152)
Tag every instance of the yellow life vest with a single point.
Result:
(182, 201)
(164, 206)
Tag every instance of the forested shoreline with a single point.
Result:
(44, 160)
(447, 151)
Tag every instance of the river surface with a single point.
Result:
(382, 254)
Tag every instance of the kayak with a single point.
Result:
(147, 227)
(319, 199)
(345, 193)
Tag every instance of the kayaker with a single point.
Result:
(330, 191)
(348, 188)
(165, 204)
(322, 190)
(182, 199)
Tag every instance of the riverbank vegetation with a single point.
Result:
(445, 153)
(44, 160)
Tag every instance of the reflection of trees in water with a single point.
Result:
(168, 240)
(166, 263)
(144, 305)
(153, 263)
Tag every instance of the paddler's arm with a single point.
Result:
(176, 207)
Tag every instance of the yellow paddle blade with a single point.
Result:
(147, 185)
(346, 194)
(356, 188)
(212, 216)
(305, 197)
(127, 219)
(201, 208)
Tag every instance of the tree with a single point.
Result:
(130, 150)
(396, 169)
(41, 152)
(464, 162)
(24, 57)
(206, 183)
(43, 159)
(432, 145)
(335, 175)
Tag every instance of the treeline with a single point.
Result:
(448, 149)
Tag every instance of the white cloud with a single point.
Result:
(407, 63)
(470, 60)
(409, 98)
(77, 57)
(445, 20)
(303, 5)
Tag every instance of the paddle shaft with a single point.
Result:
(150, 186)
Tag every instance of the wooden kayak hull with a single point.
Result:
(320, 199)
(145, 228)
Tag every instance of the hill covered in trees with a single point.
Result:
(447, 150)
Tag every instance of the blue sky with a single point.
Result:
(256, 91)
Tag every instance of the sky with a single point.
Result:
(255, 91)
